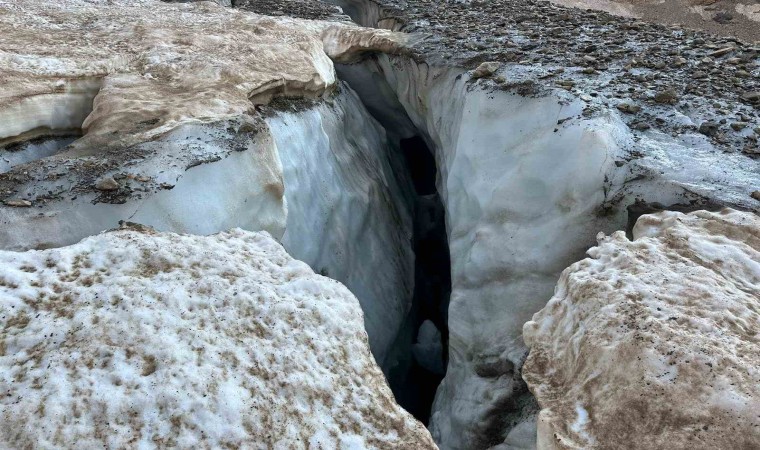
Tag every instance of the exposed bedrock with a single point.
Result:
(652, 342)
(528, 178)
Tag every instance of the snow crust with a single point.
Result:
(653, 343)
(147, 59)
(140, 339)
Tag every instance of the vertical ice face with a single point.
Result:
(652, 343)
(347, 212)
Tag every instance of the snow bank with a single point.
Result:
(653, 343)
(138, 339)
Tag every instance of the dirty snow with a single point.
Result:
(138, 339)
(654, 343)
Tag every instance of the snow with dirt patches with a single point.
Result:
(134, 338)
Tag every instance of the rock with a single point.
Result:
(485, 69)
(723, 17)
(752, 97)
(220, 341)
(18, 203)
(680, 61)
(709, 128)
(738, 126)
(666, 96)
(755, 195)
(107, 184)
(721, 52)
(628, 108)
(658, 316)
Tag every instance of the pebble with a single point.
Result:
(18, 203)
(666, 96)
(709, 128)
(721, 52)
(486, 69)
(628, 108)
(107, 184)
(755, 195)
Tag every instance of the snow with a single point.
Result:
(184, 62)
(652, 343)
(135, 338)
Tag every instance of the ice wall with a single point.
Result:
(348, 213)
(527, 182)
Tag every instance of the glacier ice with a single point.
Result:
(527, 182)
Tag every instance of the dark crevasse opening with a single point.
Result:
(419, 355)
(416, 376)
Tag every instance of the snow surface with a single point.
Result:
(653, 343)
(147, 60)
(140, 339)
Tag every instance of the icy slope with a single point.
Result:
(653, 343)
(143, 339)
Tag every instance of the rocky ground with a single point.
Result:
(653, 73)
(733, 18)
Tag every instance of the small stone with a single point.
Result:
(751, 96)
(589, 59)
(18, 203)
(755, 195)
(486, 69)
(709, 128)
(680, 61)
(738, 126)
(666, 96)
(628, 108)
(143, 179)
(107, 184)
(721, 52)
